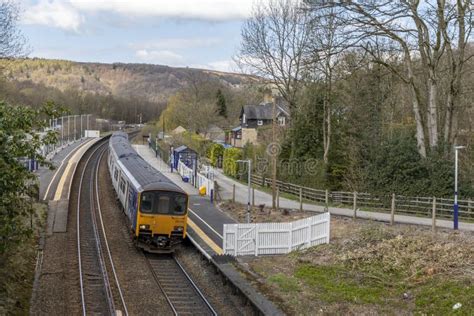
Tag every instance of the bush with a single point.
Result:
(231, 155)
(215, 151)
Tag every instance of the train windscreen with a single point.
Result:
(164, 203)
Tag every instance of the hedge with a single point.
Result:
(215, 151)
(231, 155)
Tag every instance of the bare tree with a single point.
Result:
(423, 33)
(274, 41)
(328, 41)
(12, 42)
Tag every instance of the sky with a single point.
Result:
(193, 33)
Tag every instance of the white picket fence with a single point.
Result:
(185, 171)
(276, 238)
(199, 181)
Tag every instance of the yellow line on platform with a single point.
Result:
(205, 238)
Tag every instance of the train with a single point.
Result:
(155, 207)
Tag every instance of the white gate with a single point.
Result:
(276, 238)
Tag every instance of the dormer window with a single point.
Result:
(259, 122)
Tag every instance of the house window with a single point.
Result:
(238, 136)
(281, 120)
(260, 122)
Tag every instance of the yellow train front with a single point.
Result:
(156, 208)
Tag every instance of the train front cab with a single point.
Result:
(161, 220)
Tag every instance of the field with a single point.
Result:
(371, 268)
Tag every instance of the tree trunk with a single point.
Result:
(432, 111)
(420, 135)
(448, 120)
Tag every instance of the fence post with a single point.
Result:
(278, 198)
(433, 216)
(392, 211)
(253, 197)
(301, 199)
(355, 205)
(326, 200)
(233, 193)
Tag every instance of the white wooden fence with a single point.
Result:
(185, 171)
(276, 238)
(199, 180)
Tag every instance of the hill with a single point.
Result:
(155, 83)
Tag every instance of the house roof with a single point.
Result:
(264, 111)
(236, 129)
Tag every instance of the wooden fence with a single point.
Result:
(276, 238)
(415, 206)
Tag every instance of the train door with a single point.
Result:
(132, 205)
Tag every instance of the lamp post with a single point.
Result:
(456, 206)
(249, 186)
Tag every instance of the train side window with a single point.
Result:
(122, 185)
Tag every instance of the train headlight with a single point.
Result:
(146, 227)
(179, 228)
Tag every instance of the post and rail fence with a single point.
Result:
(441, 208)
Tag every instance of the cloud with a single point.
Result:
(177, 43)
(223, 65)
(53, 13)
(163, 57)
(70, 14)
(212, 10)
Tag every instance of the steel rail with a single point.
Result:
(104, 234)
(78, 233)
(174, 305)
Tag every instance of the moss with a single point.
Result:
(286, 283)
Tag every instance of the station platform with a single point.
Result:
(55, 185)
(205, 220)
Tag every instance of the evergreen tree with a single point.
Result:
(221, 104)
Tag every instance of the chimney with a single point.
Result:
(267, 96)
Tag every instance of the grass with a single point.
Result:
(334, 283)
(371, 269)
(438, 296)
(285, 283)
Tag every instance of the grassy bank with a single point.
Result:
(371, 268)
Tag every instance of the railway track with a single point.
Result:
(182, 294)
(99, 285)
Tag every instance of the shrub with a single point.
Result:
(215, 151)
(231, 155)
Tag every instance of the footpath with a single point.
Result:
(241, 195)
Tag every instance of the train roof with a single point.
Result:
(144, 176)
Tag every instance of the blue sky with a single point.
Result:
(194, 33)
